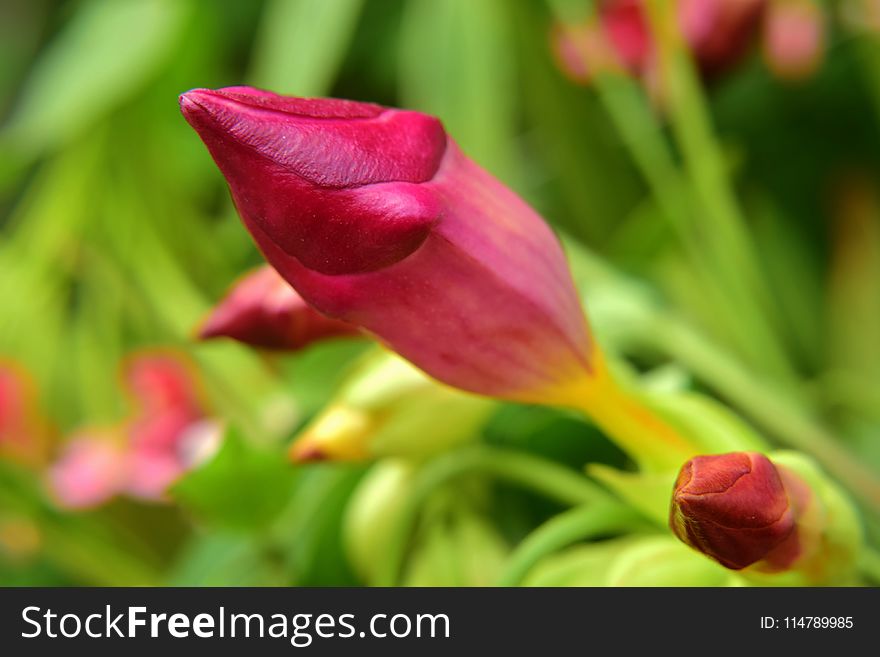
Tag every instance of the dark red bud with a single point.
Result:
(736, 509)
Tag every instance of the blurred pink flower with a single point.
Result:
(160, 381)
(91, 469)
(167, 433)
(626, 26)
(617, 39)
(718, 32)
(794, 38)
(168, 403)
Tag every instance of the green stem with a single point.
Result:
(720, 224)
(707, 220)
(772, 408)
(648, 325)
(554, 481)
(641, 132)
(565, 529)
(241, 378)
(869, 56)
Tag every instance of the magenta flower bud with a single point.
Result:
(377, 218)
(262, 310)
(739, 509)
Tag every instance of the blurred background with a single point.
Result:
(719, 196)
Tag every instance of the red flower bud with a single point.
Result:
(377, 218)
(739, 509)
(262, 310)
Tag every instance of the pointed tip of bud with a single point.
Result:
(210, 328)
(307, 453)
(241, 98)
(338, 434)
(306, 136)
(732, 507)
(332, 183)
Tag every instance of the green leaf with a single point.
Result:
(302, 44)
(582, 157)
(222, 560)
(558, 435)
(310, 532)
(664, 561)
(650, 493)
(705, 422)
(314, 375)
(456, 63)
(580, 565)
(105, 54)
(244, 487)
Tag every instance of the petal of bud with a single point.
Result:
(262, 310)
(300, 170)
(828, 525)
(376, 218)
